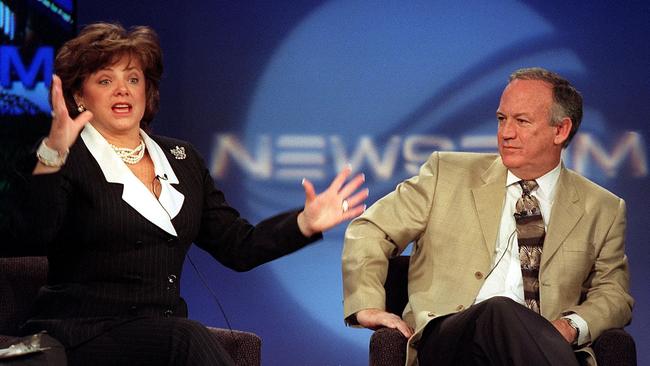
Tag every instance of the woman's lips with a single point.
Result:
(121, 108)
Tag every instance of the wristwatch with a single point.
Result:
(573, 325)
(49, 156)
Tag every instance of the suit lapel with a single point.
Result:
(488, 199)
(170, 198)
(134, 192)
(565, 214)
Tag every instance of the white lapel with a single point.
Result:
(171, 199)
(161, 211)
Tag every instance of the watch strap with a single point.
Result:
(573, 325)
(50, 157)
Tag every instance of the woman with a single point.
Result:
(119, 209)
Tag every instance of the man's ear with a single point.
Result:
(562, 131)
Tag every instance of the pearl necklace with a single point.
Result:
(130, 156)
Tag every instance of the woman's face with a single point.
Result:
(116, 95)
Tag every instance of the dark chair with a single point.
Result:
(21, 277)
(388, 346)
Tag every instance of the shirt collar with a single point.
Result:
(545, 184)
(158, 211)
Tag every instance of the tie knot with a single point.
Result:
(527, 186)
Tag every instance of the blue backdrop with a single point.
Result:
(273, 91)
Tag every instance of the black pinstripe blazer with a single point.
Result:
(109, 264)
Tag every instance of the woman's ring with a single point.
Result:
(345, 206)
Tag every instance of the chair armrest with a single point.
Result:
(245, 348)
(6, 339)
(387, 347)
(615, 347)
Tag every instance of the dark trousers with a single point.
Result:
(497, 331)
(152, 341)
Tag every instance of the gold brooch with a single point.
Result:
(178, 152)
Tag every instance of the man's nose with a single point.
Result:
(507, 129)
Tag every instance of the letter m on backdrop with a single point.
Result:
(10, 60)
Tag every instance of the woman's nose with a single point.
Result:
(121, 88)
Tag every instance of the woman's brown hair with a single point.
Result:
(103, 44)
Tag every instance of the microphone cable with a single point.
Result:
(215, 299)
(502, 254)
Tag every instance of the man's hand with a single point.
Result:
(565, 329)
(375, 319)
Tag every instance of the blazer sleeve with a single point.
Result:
(382, 232)
(38, 212)
(238, 244)
(607, 301)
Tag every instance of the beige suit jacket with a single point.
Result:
(451, 212)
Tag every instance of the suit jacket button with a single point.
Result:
(460, 307)
(478, 275)
(138, 243)
(172, 241)
(168, 313)
(171, 281)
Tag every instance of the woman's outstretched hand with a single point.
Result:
(339, 202)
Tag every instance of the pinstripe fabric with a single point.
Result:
(166, 341)
(109, 265)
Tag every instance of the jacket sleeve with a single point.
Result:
(382, 232)
(236, 243)
(38, 210)
(607, 301)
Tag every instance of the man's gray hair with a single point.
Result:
(567, 101)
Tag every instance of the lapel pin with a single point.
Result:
(178, 152)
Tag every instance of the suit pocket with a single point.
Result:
(578, 263)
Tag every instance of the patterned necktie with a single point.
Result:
(530, 235)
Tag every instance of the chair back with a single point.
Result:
(396, 284)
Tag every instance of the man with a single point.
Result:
(515, 259)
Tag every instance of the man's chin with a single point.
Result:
(510, 161)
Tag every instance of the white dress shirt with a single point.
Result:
(505, 278)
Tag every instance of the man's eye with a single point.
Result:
(134, 80)
(104, 82)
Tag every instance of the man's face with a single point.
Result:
(529, 145)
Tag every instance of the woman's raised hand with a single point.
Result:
(339, 202)
(64, 130)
